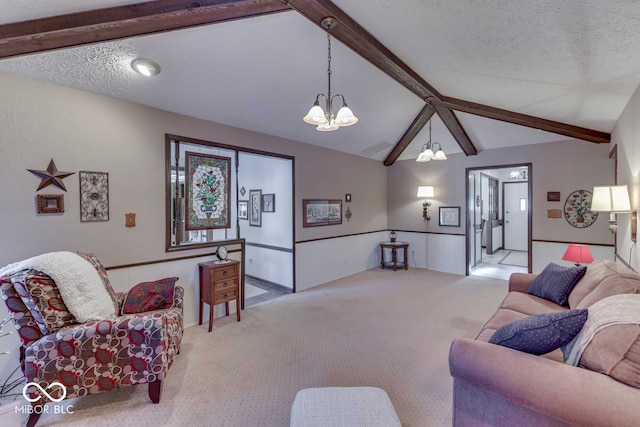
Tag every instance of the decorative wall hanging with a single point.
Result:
(268, 203)
(553, 196)
(130, 220)
(255, 208)
(243, 209)
(348, 214)
(577, 209)
(50, 203)
(449, 216)
(208, 191)
(52, 176)
(554, 213)
(243, 191)
(321, 212)
(94, 196)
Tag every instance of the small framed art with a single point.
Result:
(268, 203)
(449, 216)
(553, 196)
(255, 208)
(321, 212)
(243, 209)
(50, 203)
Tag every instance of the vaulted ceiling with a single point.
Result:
(495, 73)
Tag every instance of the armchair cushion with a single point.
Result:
(149, 296)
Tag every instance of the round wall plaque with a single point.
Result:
(577, 209)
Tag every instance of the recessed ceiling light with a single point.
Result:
(145, 66)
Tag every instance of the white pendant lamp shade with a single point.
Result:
(345, 117)
(316, 116)
(327, 127)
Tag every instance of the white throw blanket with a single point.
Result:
(614, 310)
(80, 285)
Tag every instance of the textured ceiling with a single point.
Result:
(573, 62)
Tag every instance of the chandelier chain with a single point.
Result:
(329, 60)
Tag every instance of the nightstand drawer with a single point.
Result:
(225, 296)
(225, 273)
(223, 285)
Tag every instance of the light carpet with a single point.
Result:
(377, 328)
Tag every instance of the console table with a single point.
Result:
(394, 246)
(219, 283)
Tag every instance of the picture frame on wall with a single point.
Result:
(318, 212)
(94, 196)
(208, 191)
(449, 216)
(255, 208)
(50, 203)
(553, 196)
(243, 209)
(268, 203)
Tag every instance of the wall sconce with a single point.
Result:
(614, 199)
(425, 191)
(578, 254)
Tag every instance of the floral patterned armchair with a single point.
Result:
(135, 345)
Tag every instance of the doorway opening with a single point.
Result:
(499, 220)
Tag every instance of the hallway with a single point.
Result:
(501, 264)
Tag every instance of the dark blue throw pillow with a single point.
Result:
(541, 333)
(556, 282)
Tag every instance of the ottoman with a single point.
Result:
(343, 407)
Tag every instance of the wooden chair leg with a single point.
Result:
(155, 391)
(35, 415)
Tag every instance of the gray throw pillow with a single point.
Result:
(556, 282)
(541, 333)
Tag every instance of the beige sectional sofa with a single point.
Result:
(495, 385)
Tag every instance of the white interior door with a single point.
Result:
(516, 208)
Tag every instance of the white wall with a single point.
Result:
(626, 136)
(271, 175)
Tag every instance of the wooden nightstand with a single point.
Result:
(219, 283)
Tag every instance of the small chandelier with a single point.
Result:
(427, 152)
(324, 119)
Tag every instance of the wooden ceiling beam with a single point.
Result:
(412, 131)
(119, 22)
(354, 36)
(525, 120)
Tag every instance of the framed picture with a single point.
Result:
(208, 194)
(50, 203)
(553, 196)
(321, 212)
(449, 216)
(243, 209)
(268, 203)
(255, 208)
(94, 196)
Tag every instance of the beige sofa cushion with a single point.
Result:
(615, 351)
(529, 304)
(624, 280)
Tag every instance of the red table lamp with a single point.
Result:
(579, 254)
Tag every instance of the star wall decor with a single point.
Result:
(51, 176)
